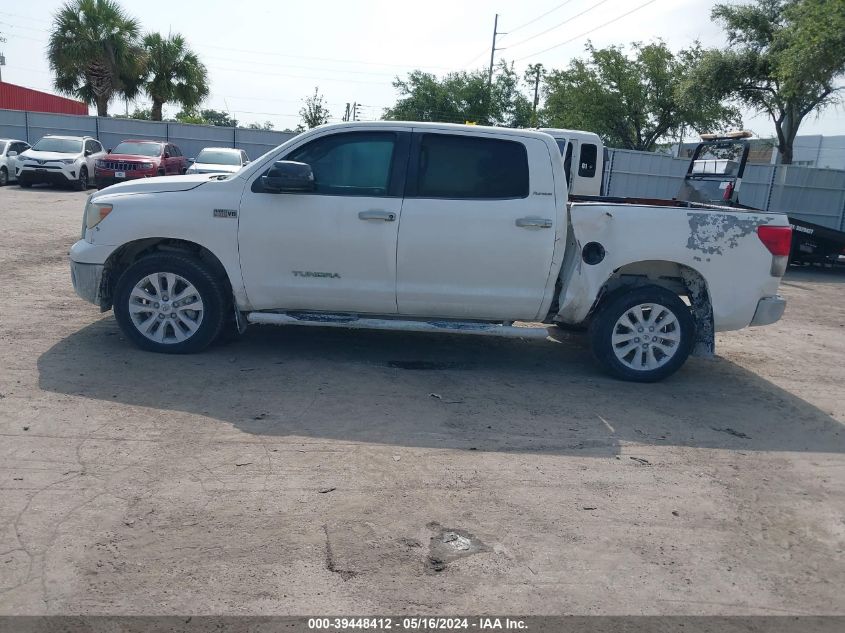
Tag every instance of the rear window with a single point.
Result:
(587, 162)
(453, 166)
(218, 157)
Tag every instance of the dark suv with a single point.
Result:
(133, 159)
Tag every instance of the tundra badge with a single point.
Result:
(225, 213)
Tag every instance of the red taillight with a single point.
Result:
(778, 239)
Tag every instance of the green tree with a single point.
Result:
(175, 73)
(784, 58)
(314, 112)
(267, 125)
(534, 74)
(190, 116)
(95, 52)
(634, 102)
(462, 96)
(144, 114)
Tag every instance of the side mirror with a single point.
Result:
(192, 160)
(167, 154)
(12, 153)
(289, 177)
(88, 152)
(108, 151)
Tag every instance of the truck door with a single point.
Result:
(478, 227)
(333, 249)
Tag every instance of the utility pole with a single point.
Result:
(355, 111)
(493, 50)
(2, 58)
(347, 114)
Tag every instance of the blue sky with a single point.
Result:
(264, 57)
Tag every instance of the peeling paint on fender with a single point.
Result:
(711, 233)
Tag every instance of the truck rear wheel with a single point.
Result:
(643, 335)
(170, 303)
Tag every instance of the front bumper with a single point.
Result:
(769, 310)
(87, 281)
(104, 178)
(49, 176)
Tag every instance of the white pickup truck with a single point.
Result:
(425, 227)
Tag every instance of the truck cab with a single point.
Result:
(583, 156)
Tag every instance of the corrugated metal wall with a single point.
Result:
(31, 126)
(15, 97)
(814, 195)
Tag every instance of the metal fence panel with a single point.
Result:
(13, 125)
(814, 195)
(31, 126)
(258, 142)
(754, 191)
(40, 124)
(645, 174)
(113, 131)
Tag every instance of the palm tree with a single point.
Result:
(175, 73)
(95, 52)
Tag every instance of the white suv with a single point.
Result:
(60, 160)
(10, 148)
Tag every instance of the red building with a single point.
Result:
(14, 97)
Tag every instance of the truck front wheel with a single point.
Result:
(643, 335)
(170, 303)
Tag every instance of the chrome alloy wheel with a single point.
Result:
(165, 308)
(646, 336)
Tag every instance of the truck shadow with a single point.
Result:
(430, 391)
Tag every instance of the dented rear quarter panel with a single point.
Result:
(721, 244)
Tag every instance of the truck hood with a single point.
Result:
(158, 184)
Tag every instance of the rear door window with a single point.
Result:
(469, 167)
(587, 162)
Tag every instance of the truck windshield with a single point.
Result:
(138, 149)
(58, 145)
(219, 157)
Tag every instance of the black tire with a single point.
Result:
(4, 176)
(605, 324)
(211, 290)
(24, 184)
(82, 181)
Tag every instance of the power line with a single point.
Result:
(257, 52)
(572, 39)
(539, 17)
(556, 26)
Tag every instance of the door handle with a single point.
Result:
(384, 216)
(534, 223)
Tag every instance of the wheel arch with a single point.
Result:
(131, 252)
(681, 279)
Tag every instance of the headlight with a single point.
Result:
(147, 165)
(95, 212)
(67, 161)
(100, 163)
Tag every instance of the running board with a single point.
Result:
(351, 321)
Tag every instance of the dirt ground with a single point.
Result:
(309, 471)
